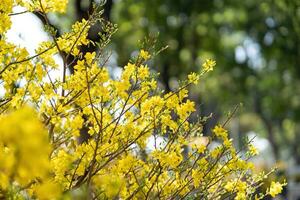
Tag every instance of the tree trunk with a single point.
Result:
(267, 123)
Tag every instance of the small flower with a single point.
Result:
(229, 186)
(253, 150)
(193, 78)
(275, 188)
(208, 65)
(144, 54)
(143, 72)
(240, 196)
(89, 57)
(219, 131)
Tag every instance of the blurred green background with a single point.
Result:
(256, 44)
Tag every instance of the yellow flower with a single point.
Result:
(91, 128)
(253, 150)
(215, 153)
(89, 57)
(208, 65)
(241, 186)
(47, 190)
(230, 186)
(197, 177)
(193, 78)
(240, 196)
(219, 131)
(275, 188)
(26, 146)
(47, 5)
(5, 22)
(227, 143)
(143, 72)
(185, 109)
(144, 54)
(110, 184)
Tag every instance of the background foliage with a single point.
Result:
(257, 44)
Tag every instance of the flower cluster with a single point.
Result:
(46, 6)
(88, 133)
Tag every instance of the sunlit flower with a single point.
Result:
(144, 54)
(208, 65)
(275, 188)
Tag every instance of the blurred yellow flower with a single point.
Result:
(219, 131)
(275, 188)
(144, 54)
(193, 78)
(253, 150)
(208, 65)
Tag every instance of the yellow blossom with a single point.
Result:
(240, 196)
(219, 131)
(253, 150)
(27, 146)
(208, 65)
(143, 72)
(144, 54)
(275, 188)
(111, 137)
(230, 186)
(48, 190)
(193, 78)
